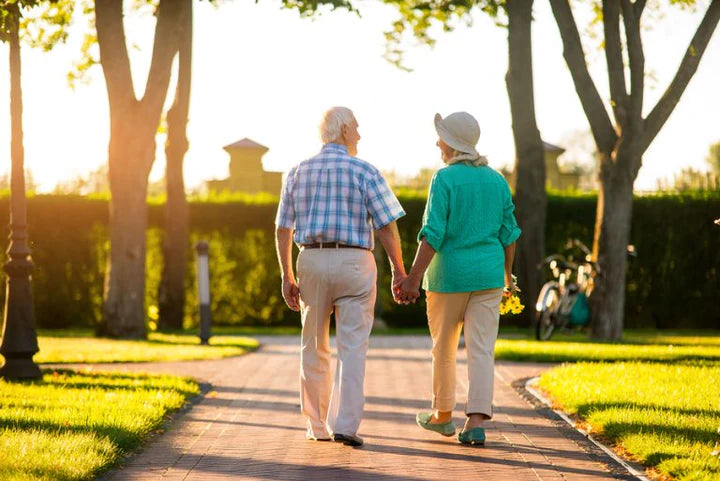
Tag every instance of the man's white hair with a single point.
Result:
(333, 121)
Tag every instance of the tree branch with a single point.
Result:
(639, 7)
(656, 119)
(113, 52)
(167, 38)
(637, 63)
(613, 55)
(177, 116)
(600, 124)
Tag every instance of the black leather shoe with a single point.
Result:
(348, 439)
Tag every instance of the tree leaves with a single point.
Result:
(419, 16)
(46, 24)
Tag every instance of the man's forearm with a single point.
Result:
(390, 239)
(283, 244)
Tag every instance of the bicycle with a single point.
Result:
(562, 302)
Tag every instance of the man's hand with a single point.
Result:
(291, 293)
(397, 280)
(290, 290)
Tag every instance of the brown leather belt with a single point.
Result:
(331, 245)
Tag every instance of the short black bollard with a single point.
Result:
(203, 281)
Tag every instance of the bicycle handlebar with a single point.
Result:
(562, 262)
(577, 243)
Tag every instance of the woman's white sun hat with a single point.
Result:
(460, 131)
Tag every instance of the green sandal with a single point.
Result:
(474, 436)
(446, 429)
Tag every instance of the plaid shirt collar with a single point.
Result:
(332, 147)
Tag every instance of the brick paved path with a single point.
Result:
(249, 426)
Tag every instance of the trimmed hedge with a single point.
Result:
(674, 281)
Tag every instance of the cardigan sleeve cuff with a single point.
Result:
(433, 239)
(509, 236)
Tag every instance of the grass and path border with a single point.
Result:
(73, 425)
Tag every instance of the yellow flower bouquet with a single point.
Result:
(510, 303)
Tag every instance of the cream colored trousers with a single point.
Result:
(344, 280)
(479, 312)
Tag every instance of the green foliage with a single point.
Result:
(713, 158)
(89, 52)
(672, 283)
(663, 415)
(43, 24)
(308, 8)
(677, 271)
(47, 25)
(214, 197)
(70, 426)
(418, 16)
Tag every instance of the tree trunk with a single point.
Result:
(124, 306)
(612, 232)
(133, 126)
(530, 197)
(171, 294)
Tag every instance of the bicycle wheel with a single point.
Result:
(547, 305)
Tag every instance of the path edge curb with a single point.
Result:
(634, 471)
(169, 422)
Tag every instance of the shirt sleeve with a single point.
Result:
(435, 218)
(286, 208)
(382, 204)
(509, 230)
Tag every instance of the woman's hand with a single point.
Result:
(510, 284)
(408, 290)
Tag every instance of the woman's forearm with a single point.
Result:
(424, 255)
(509, 258)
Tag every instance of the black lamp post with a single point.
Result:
(19, 340)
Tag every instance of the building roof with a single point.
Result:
(245, 144)
(548, 147)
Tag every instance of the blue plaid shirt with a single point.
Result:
(335, 197)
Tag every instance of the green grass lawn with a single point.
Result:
(572, 351)
(664, 415)
(79, 346)
(655, 395)
(70, 426)
(637, 345)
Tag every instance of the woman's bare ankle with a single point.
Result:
(441, 417)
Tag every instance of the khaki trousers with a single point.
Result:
(343, 280)
(479, 311)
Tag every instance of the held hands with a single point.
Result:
(291, 293)
(405, 289)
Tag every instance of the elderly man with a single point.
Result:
(330, 205)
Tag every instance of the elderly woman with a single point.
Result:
(467, 245)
